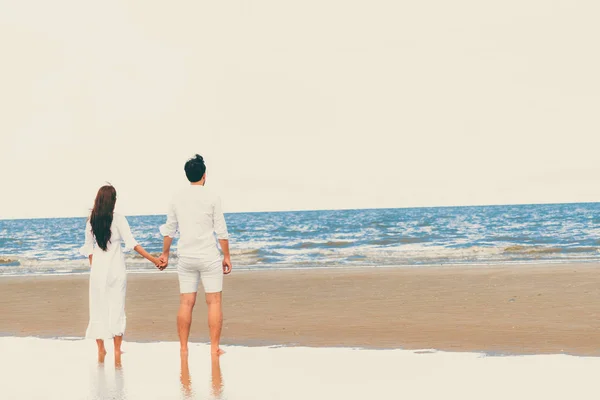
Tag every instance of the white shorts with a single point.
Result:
(191, 270)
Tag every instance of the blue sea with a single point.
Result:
(418, 237)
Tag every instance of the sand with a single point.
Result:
(51, 369)
(545, 309)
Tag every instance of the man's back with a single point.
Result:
(196, 213)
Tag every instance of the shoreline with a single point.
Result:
(268, 345)
(466, 266)
(496, 310)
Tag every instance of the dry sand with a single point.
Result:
(516, 309)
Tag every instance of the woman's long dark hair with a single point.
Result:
(102, 215)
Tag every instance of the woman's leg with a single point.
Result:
(101, 350)
(118, 340)
(117, 305)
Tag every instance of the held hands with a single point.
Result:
(162, 262)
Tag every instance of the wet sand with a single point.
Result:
(516, 309)
(52, 369)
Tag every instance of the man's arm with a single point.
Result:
(168, 230)
(222, 235)
(167, 246)
(226, 257)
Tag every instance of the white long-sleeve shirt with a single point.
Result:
(196, 213)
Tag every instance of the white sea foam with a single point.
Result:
(66, 369)
(417, 237)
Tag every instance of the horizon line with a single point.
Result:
(335, 209)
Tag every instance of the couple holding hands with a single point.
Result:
(196, 214)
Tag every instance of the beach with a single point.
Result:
(517, 309)
(517, 332)
(47, 369)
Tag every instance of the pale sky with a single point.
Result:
(314, 104)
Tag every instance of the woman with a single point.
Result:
(104, 233)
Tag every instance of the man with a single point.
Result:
(196, 213)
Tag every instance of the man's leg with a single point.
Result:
(189, 278)
(215, 321)
(184, 318)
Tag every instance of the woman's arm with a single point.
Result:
(147, 255)
(88, 247)
(131, 243)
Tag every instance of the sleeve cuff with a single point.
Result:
(166, 232)
(86, 250)
(130, 246)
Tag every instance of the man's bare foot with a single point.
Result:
(218, 352)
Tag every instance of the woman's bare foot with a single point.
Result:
(101, 350)
(101, 356)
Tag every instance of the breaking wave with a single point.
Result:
(415, 237)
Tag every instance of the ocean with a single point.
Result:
(417, 237)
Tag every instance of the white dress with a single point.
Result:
(108, 280)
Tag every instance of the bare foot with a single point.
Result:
(101, 356)
(118, 359)
(218, 352)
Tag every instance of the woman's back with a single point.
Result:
(120, 232)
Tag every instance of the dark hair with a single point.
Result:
(102, 215)
(195, 168)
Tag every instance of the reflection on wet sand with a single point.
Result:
(105, 388)
(119, 381)
(118, 364)
(186, 379)
(101, 357)
(217, 377)
(68, 370)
